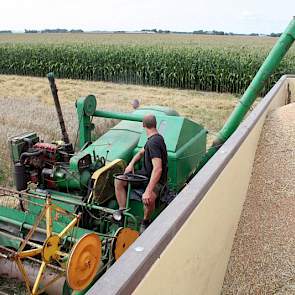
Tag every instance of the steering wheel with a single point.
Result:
(130, 177)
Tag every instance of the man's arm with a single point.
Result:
(155, 177)
(135, 159)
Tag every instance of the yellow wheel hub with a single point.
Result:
(125, 237)
(84, 261)
(50, 248)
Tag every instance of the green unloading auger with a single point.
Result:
(270, 64)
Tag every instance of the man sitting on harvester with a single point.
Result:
(155, 167)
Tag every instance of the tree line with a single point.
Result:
(53, 31)
(155, 31)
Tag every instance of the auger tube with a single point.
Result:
(269, 65)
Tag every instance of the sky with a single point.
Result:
(238, 16)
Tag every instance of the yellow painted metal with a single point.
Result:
(69, 226)
(84, 261)
(32, 230)
(29, 253)
(103, 181)
(48, 217)
(99, 172)
(24, 274)
(124, 238)
(51, 248)
(38, 279)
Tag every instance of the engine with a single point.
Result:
(45, 164)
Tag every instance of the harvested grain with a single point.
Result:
(262, 259)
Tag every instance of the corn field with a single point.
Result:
(186, 67)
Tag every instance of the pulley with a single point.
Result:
(124, 237)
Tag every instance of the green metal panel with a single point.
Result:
(170, 128)
(24, 221)
(185, 141)
(73, 180)
(9, 243)
(182, 164)
(85, 108)
(176, 131)
(117, 143)
(120, 141)
(17, 144)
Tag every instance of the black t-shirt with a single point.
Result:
(155, 147)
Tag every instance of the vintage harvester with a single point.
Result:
(58, 229)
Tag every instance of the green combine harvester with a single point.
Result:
(58, 229)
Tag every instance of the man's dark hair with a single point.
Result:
(149, 121)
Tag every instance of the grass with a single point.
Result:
(27, 105)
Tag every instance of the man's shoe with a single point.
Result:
(118, 217)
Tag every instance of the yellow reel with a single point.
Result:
(82, 262)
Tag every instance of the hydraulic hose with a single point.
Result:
(26, 155)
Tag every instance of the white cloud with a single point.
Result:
(246, 14)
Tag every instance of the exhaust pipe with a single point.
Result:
(54, 90)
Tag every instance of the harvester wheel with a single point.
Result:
(124, 238)
(84, 261)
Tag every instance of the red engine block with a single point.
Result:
(49, 147)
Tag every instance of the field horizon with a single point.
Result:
(171, 39)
